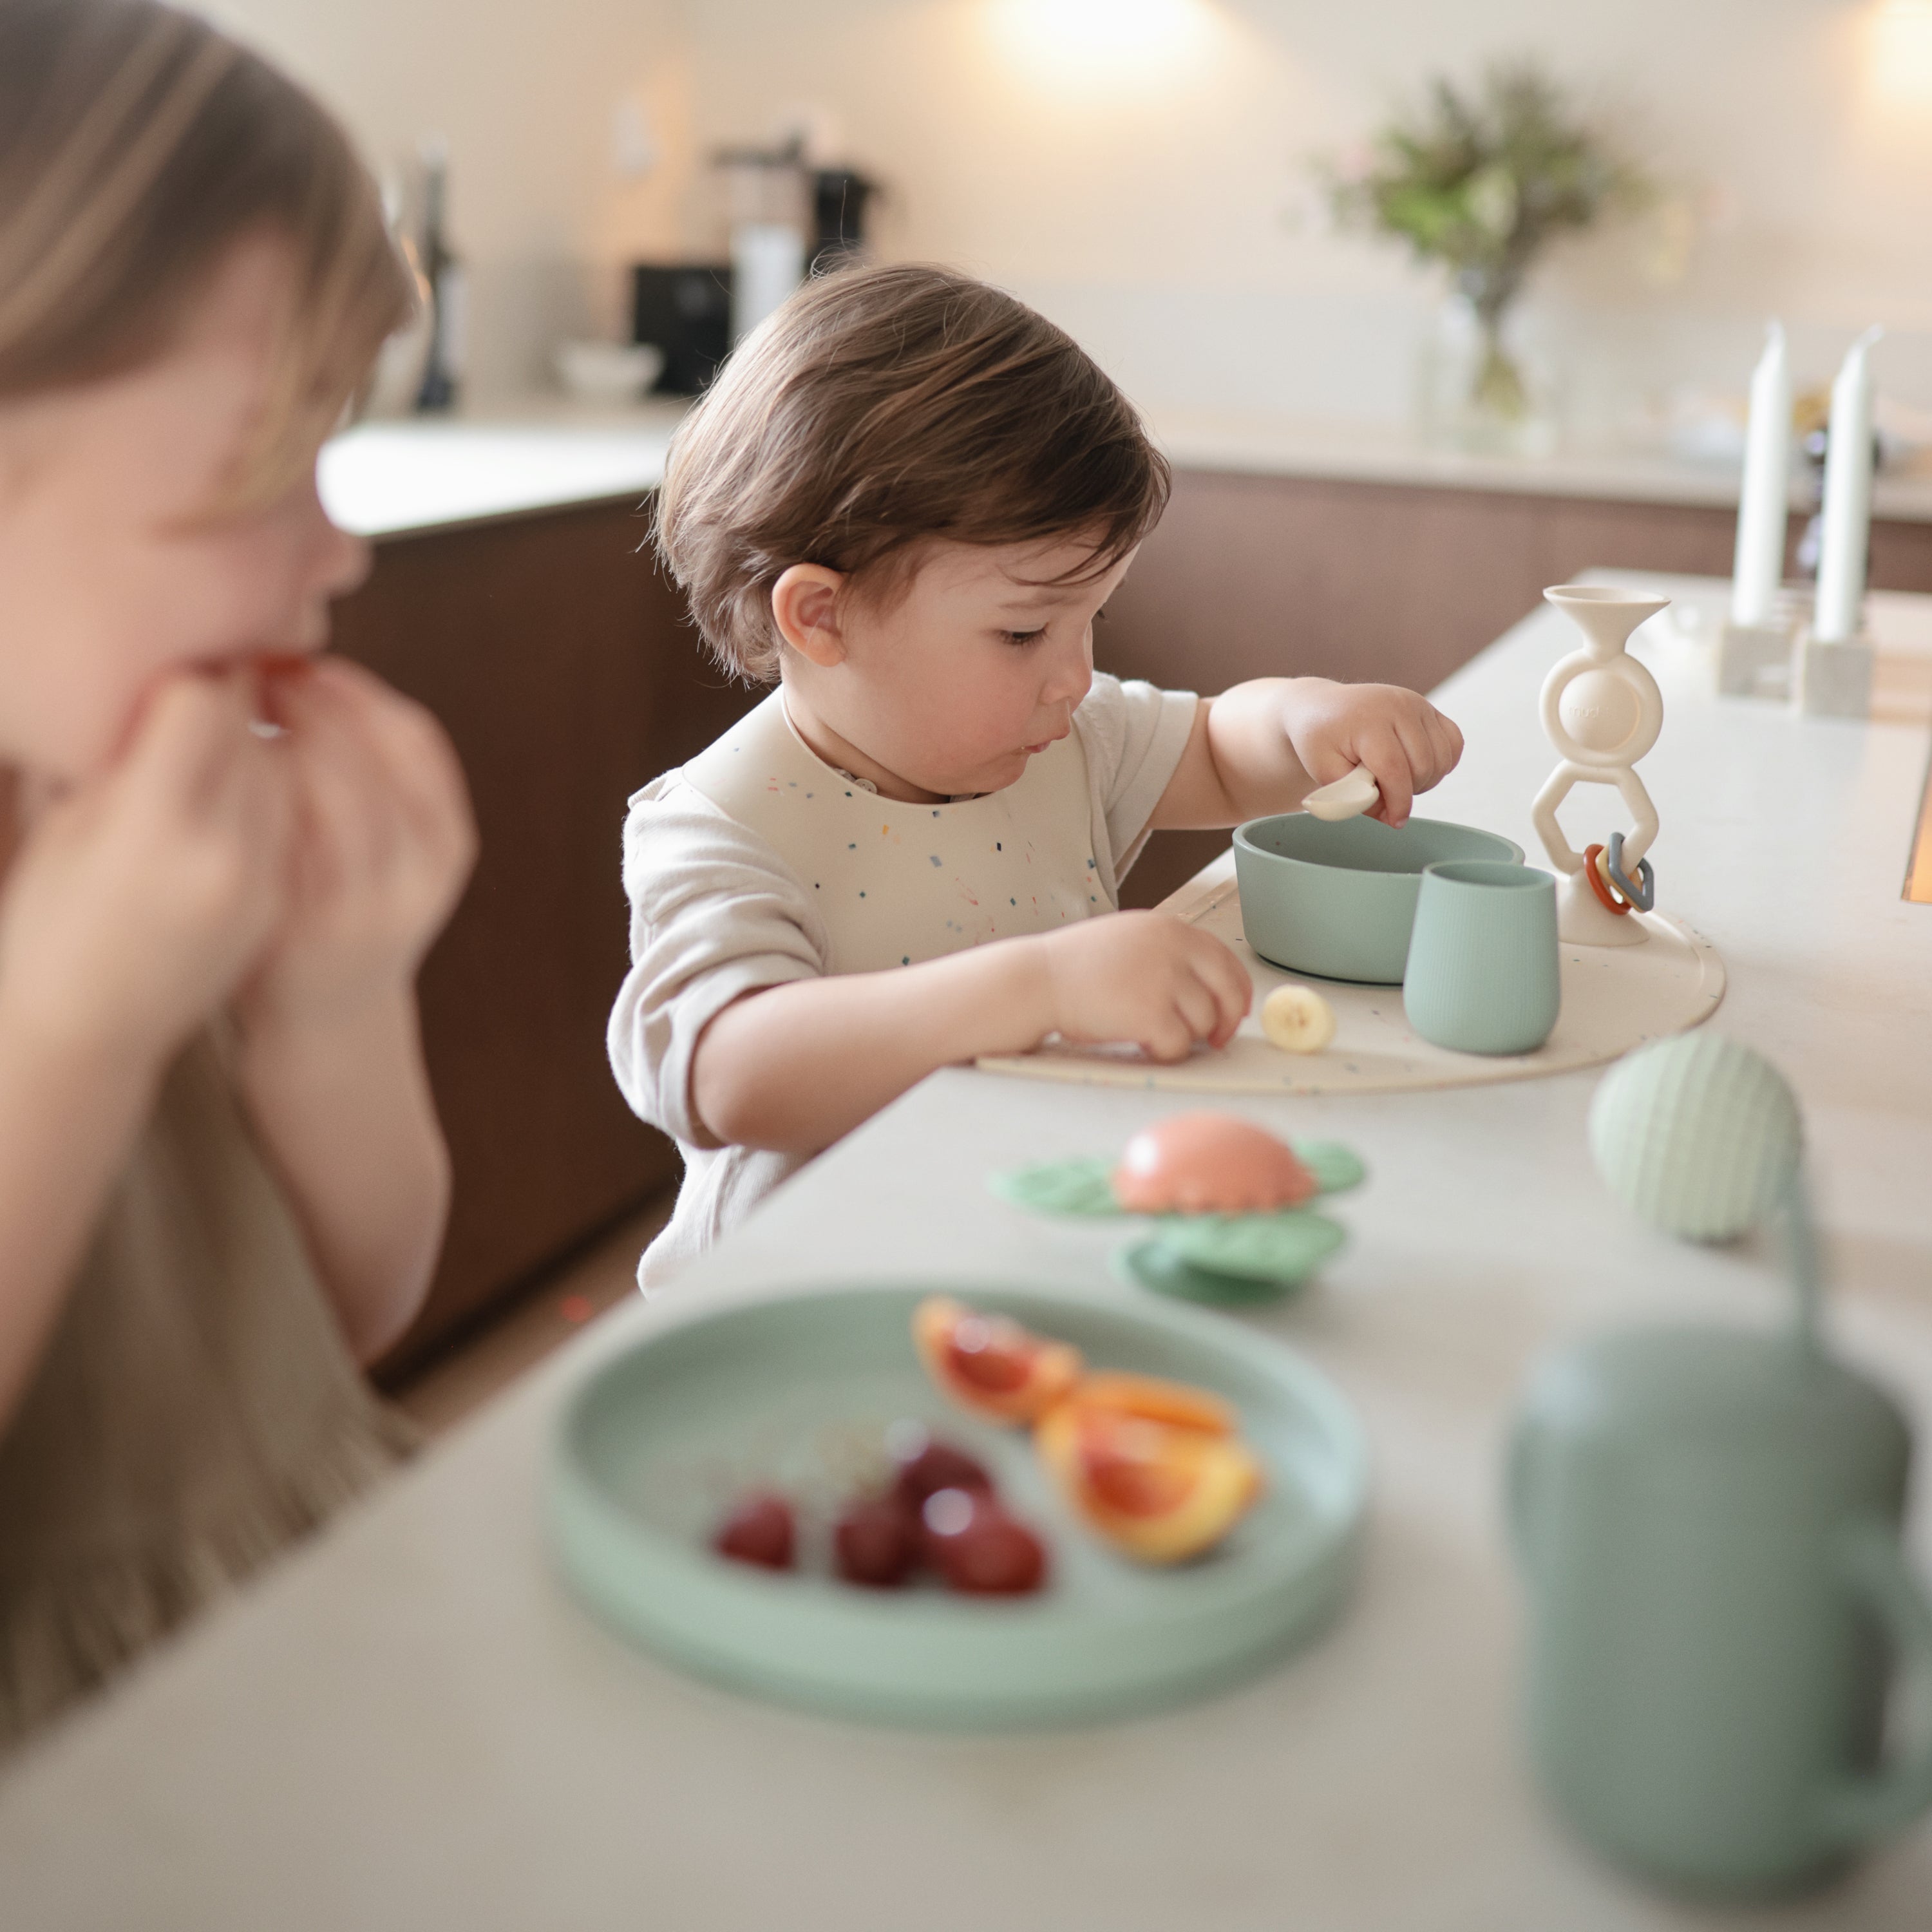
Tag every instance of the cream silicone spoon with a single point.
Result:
(1344, 797)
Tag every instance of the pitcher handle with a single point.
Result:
(1516, 1477)
(1869, 1559)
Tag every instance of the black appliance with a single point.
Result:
(684, 309)
(838, 198)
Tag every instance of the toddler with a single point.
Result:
(222, 1182)
(906, 502)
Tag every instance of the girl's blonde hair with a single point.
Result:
(138, 144)
(880, 408)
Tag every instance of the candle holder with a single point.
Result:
(1602, 711)
(1833, 679)
(1758, 660)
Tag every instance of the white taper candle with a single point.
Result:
(1764, 497)
(1846, 532)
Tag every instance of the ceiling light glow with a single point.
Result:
(1900, 51)
(1069, 40)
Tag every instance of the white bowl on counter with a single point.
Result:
(608, 372)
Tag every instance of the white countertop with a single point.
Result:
(1378, 453)
(409, 1725)
(395, 478)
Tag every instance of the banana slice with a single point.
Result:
(1298, 1019)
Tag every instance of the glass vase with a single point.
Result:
(1481, 391)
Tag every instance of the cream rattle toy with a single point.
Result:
(1602, 710)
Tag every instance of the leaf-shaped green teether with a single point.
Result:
(1334, 1166)
(1060, 1187)
(1082, 1186)
(1256, 1247)
(1151, 1265)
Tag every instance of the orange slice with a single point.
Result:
(1157, 1493)
(990, 1366)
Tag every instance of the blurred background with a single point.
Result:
(1140, 170)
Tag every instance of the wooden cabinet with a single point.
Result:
(1257, 576)
(561, 662)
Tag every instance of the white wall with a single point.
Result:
(524, 91)
(1150, 200)
(1142, 176)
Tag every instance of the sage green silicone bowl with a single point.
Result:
(660, 1440)
(1337, 898)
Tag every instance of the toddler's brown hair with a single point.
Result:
(880, 408)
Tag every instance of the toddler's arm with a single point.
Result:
(331, 1066)
(132, 906)
(1260, 747)
(794, 1067)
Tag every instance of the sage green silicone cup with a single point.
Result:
(1336, 898)
(1482, 974)
(1707, 1523)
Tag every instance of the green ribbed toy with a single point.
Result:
(1697, 1134)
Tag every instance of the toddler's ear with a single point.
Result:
(805, 607)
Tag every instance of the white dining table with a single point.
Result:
(409, 1724)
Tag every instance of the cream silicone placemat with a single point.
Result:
(1614, 998)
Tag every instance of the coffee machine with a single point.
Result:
(788, 221)
(684, 309)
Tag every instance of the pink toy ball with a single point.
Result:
(1209, 1164)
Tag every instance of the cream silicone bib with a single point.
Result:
(897, 883)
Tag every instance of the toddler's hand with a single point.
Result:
(383, 844)
(1145, 977)
(1406, 743)
(138, 899)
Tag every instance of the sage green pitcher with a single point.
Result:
(1707, 1521)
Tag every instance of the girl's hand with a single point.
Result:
(383, 844)
(1406, 743)
(1145, 977)
(139, 899)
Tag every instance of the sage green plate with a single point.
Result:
(789, 1392)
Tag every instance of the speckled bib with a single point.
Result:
(899, 883)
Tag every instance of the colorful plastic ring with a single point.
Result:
(1643, 894)
(1600, 886)
(1623, 902)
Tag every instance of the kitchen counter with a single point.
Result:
(392, 479)
(1264, 445)
(389, 479)
(409, 1724)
